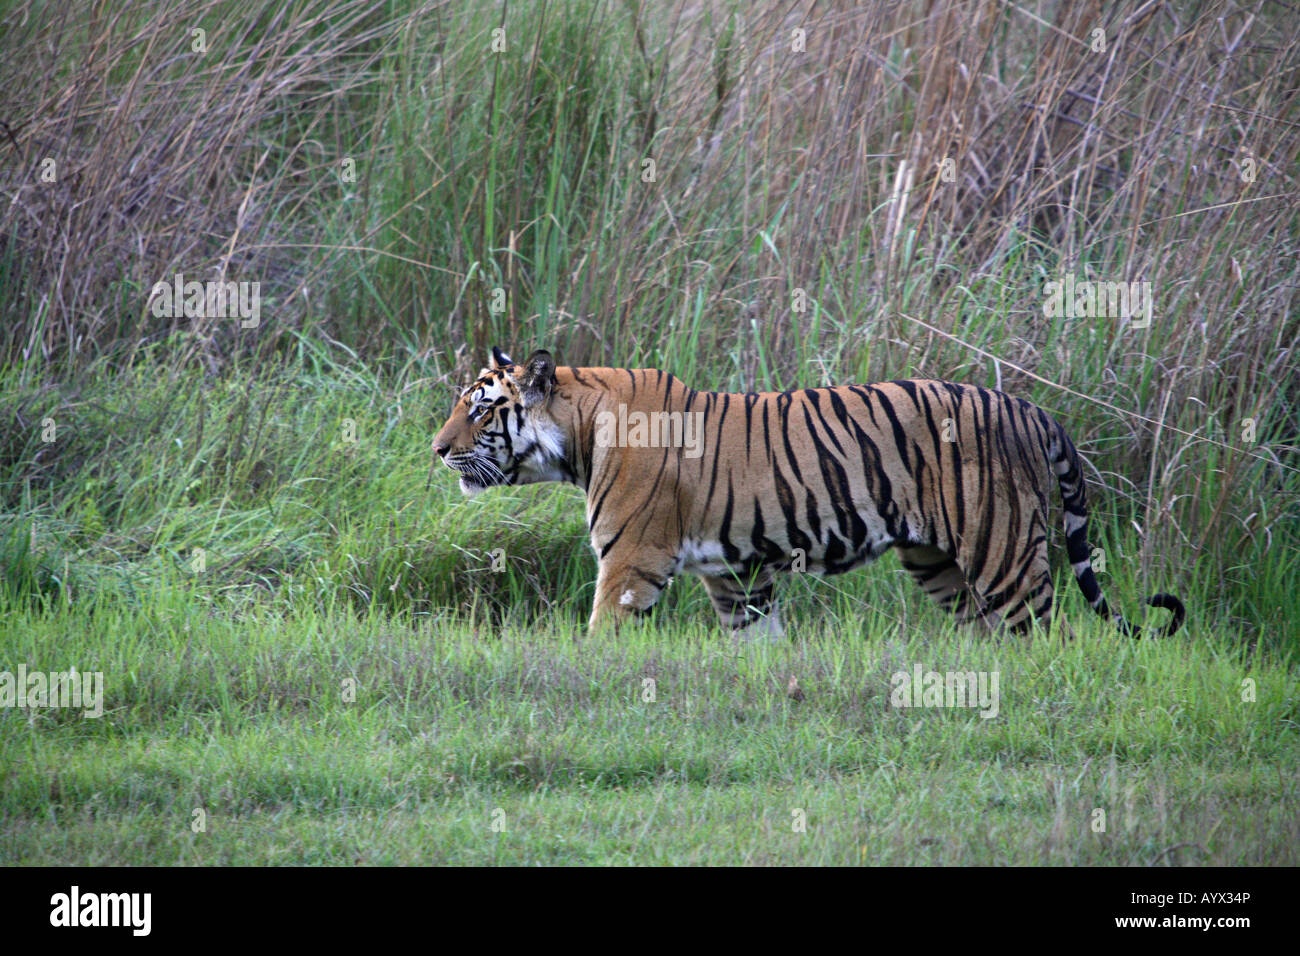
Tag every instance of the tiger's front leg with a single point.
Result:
(629, 583)
(746, 607)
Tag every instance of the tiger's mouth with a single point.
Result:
(476, 473)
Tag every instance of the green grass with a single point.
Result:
(246, 720)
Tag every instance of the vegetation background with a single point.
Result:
(308, 654)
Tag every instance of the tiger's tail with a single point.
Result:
(1065, 463)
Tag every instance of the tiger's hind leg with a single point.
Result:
(745, 607)
(1017, 596)
(938, 575)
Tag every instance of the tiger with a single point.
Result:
(735, 487)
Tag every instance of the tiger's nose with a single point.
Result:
(440, 449)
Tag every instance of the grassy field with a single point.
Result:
(314, 650)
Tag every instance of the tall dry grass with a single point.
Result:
(145, 140)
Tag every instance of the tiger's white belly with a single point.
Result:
(702, 557)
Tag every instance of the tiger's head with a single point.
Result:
(501, 431)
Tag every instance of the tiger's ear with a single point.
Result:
(538, 378)
(499, 359)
